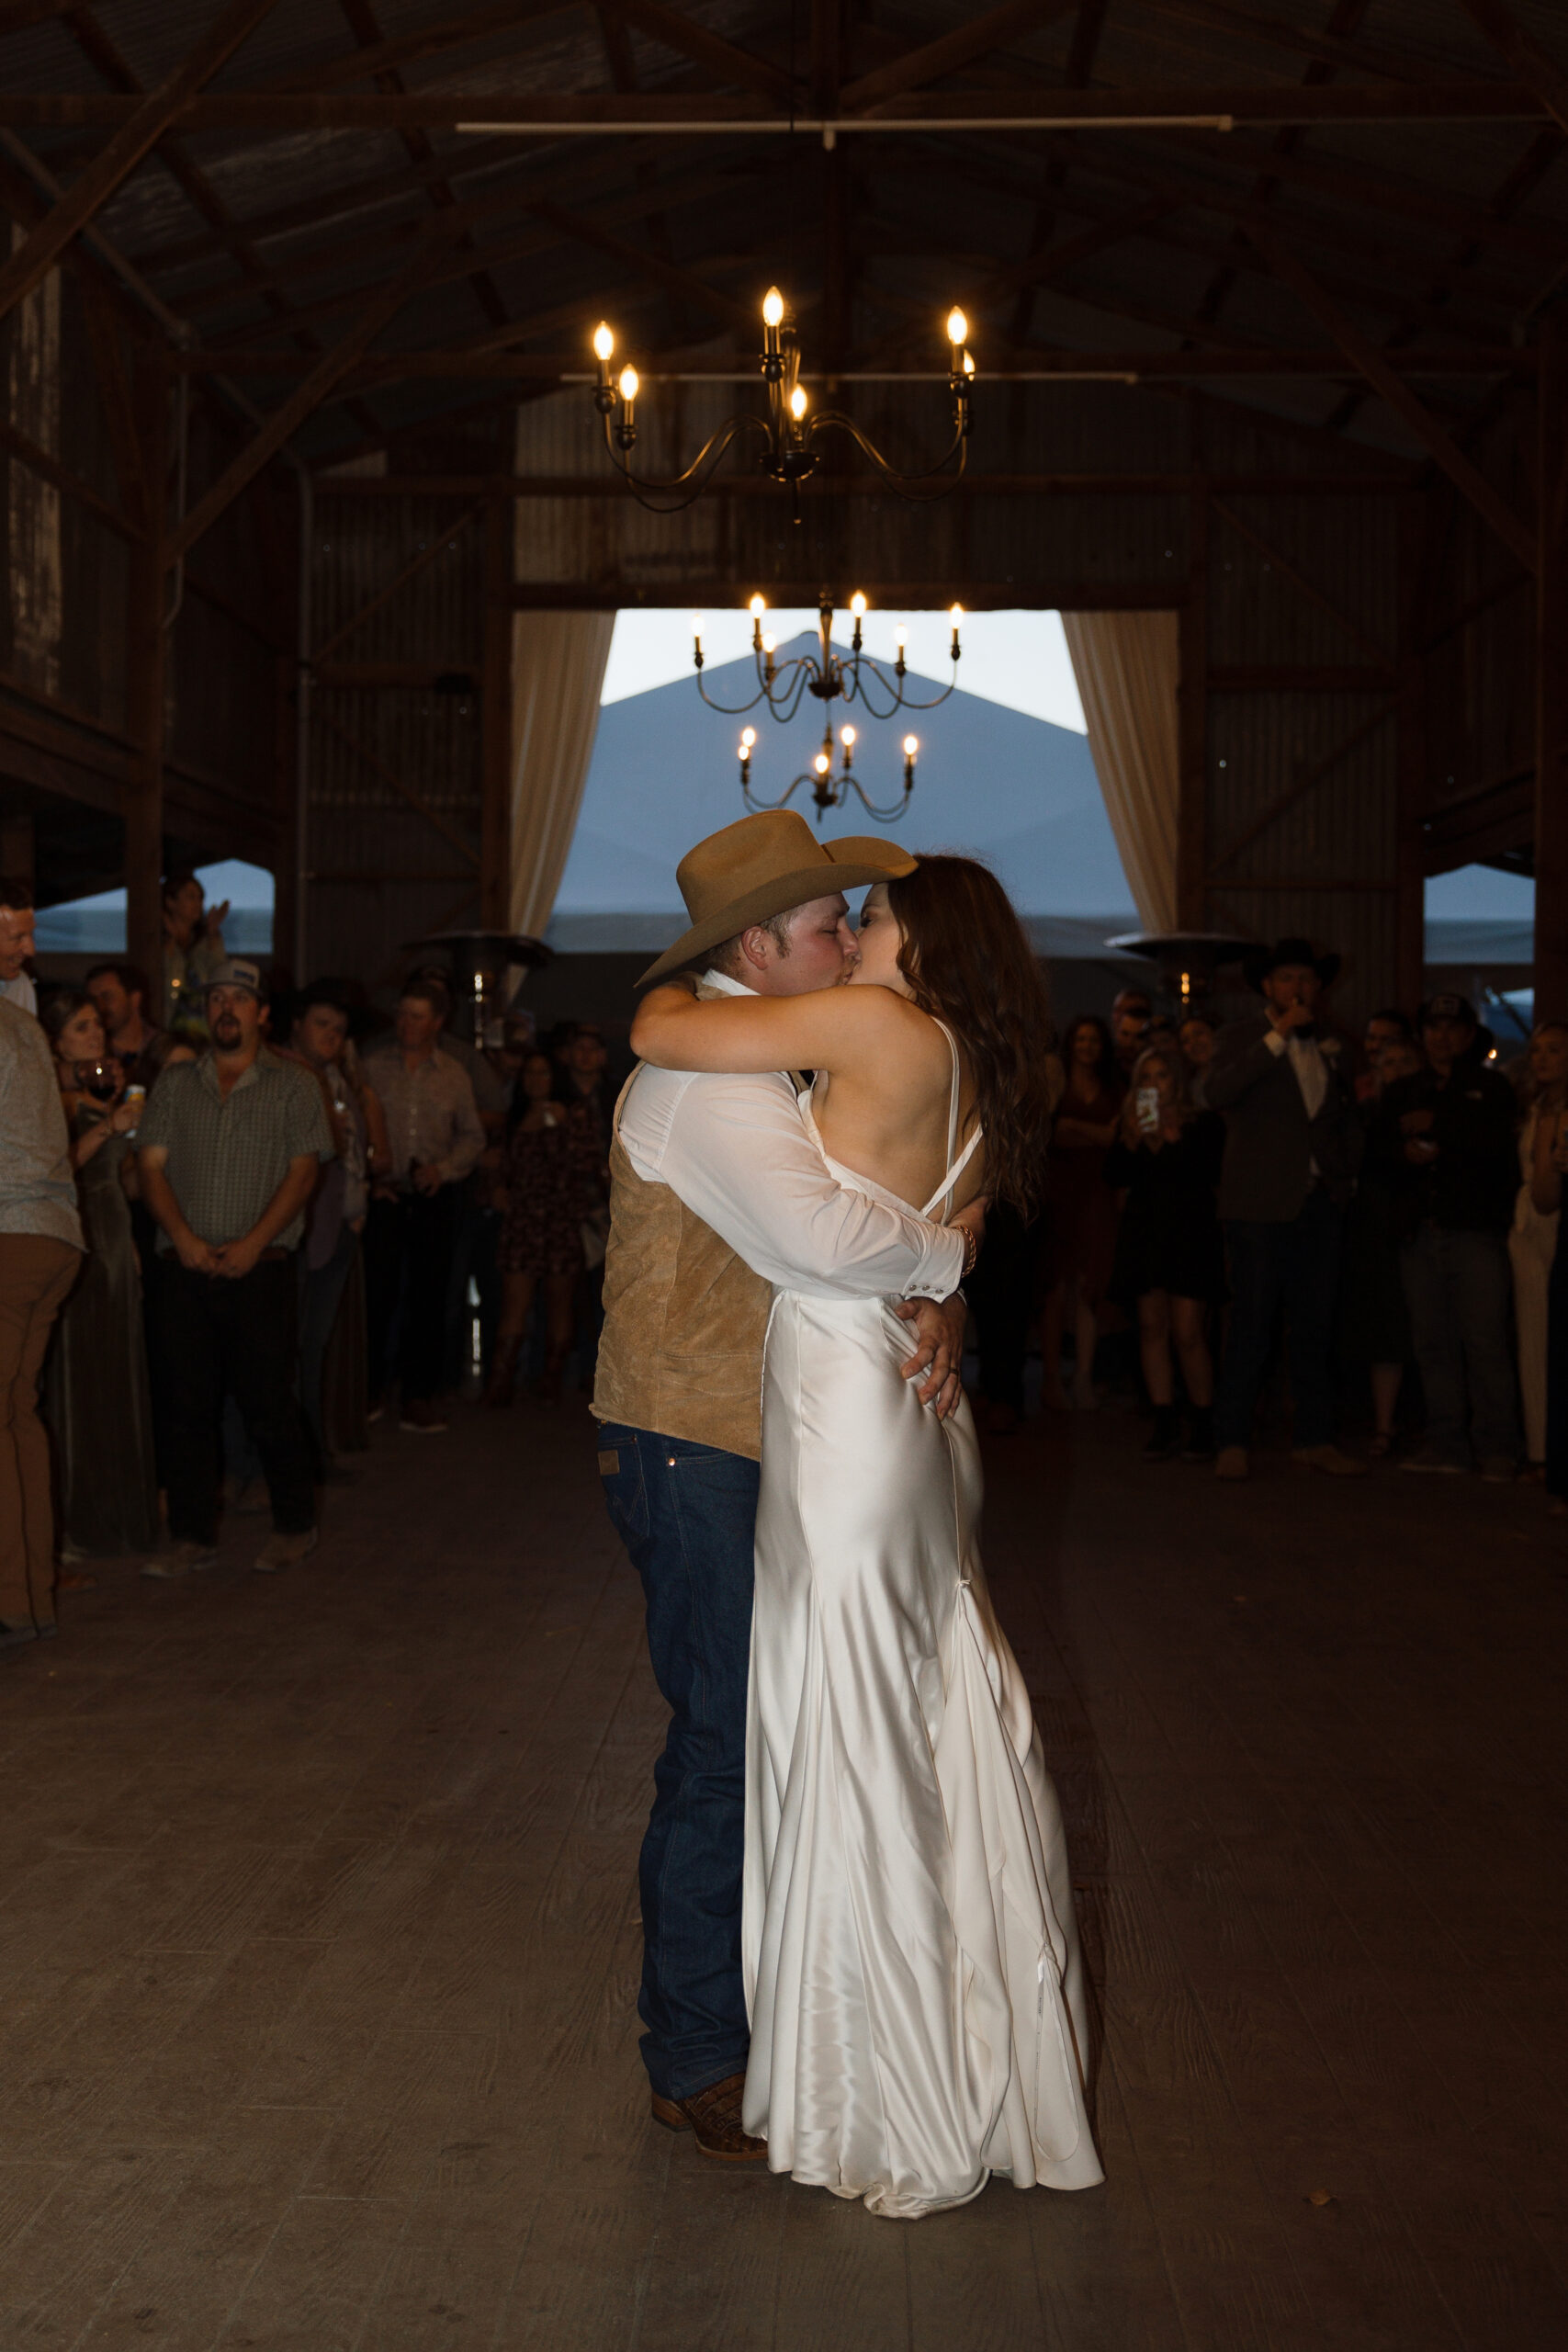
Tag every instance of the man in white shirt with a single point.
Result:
(717, 1193)
(1292, 1145)
(16, 945)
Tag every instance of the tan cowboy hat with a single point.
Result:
(761, 868)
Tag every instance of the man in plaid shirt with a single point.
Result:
(229, 1148)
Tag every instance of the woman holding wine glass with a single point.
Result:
(96, 1399)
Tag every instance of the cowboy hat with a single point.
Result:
(1259, 966)
(763, 866)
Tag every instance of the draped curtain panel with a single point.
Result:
(1128, 667)
(557, 673)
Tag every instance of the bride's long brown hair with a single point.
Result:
(965, 958)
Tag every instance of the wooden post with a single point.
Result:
(1410, 864)
(1191, 817)
(495, 819)
(1552, 673)
(146, 680)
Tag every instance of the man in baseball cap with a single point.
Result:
(229, 1151)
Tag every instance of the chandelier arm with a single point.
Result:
(712, 450)
(730, 710)
(959, 443)
(873, 808)
(757, 806)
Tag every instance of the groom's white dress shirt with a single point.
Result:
(735, 1149)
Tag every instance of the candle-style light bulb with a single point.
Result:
(772, 308)
(957, 327)
(757, 608)
(768, 645)
(697, 630)
(629, 382)
(604, 342)
(821, 763)
(846, 736)
(955, 615)
(797, 403)
(857, 606)
(969, 364)
(747, 739)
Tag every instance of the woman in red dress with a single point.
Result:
(553, 1179)
(1080, 1207)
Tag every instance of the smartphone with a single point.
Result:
(1145, 1109)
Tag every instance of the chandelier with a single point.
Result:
(830, 677)
(790, 434)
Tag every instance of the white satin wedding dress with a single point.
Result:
(912, 1966)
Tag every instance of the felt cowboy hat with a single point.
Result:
(1264, 960)
(763, 866)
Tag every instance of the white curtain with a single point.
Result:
(1128, 667)
(557, 673)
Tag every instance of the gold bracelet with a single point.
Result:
(971, 1251)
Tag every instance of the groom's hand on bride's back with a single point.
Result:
(938, 1327)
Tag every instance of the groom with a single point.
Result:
(717, 1192)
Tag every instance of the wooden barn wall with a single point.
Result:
(66, 541)
(393, 825)
(1476, 623)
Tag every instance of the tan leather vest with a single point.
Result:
(684, 1320)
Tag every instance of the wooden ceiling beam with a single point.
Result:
(956, 50)
(1517, 535)
(20, 15)
(407, 48)
(1499, 25)
(1017, 105)
(285, 421)
(545, 234)
(325, 205)
(1270, 32)
(579, 230)
(719, 56)
(143, 123)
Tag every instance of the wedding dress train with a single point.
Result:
(912, 1965)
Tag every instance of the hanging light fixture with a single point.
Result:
(791, 437)
(830, 677)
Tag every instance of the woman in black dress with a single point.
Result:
(1169, 1256)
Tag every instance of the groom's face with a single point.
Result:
(822, 950)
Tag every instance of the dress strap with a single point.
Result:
(944, 1190)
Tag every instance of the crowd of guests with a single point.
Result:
(238, 1226)
(1371, 1222)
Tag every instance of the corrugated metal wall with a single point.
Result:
(1302, 587)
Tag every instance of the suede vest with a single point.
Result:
(681, 1353)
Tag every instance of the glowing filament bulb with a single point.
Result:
(969, 363)
(768, 645)
(957, 326)
(857, 607)
(747, 740)
(604, 341)
(847, 737)
(955, 615)
(758, 606)
(772, 308)
(697, 627)
(911, 745)
(821, 763)
(901, 638)
(629, 381)
(797, 403)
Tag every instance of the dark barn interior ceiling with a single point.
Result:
(1278, 286)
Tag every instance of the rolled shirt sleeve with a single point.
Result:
(735, 1151)
(467, 1141)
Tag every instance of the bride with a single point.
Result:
(912, 1966)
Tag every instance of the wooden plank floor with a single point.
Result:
(318, 1944)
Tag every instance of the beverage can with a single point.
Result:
(136, 1095)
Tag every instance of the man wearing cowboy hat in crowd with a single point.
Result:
(717, 1192)
(1292, 1147)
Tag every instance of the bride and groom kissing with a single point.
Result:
(860, 1957)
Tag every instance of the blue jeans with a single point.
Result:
(687, 1516)
(1295, 1266)
(1459, 1288)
